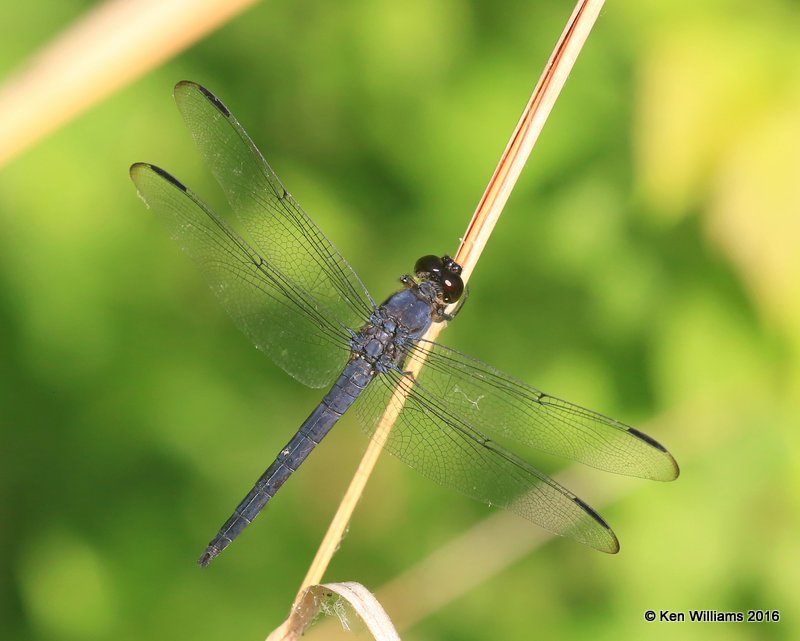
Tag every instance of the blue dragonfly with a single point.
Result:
(290, 291)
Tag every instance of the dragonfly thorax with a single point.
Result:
(393, 328)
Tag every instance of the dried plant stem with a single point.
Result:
(106, 49)
(480, 227)
(527, 131)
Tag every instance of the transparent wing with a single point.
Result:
(278, 227)
(430, 437)
(277, 314)
(505, 408)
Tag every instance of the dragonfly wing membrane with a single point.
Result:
(508, 409)
(428, 437)
(281, 231)
(269, 308)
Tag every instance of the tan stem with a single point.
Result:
(106, 49)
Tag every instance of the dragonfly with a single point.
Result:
(291, 292)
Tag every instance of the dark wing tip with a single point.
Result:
(169, 177)
(141, 167)
(613, 546)
(647, 439)
(188, 85)
(215, 101)
(675, 471)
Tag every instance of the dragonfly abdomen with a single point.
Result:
(352, 381)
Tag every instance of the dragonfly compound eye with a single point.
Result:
(429, 264)
(452, 288)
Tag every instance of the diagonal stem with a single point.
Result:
(107, 48)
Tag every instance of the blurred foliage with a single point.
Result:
(647, 266)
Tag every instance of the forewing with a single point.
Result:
(449, 451)
(505, 408)
(279, 228)
(280, 317)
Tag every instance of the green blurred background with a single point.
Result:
(647, 265)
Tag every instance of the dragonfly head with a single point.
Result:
(444, 273)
